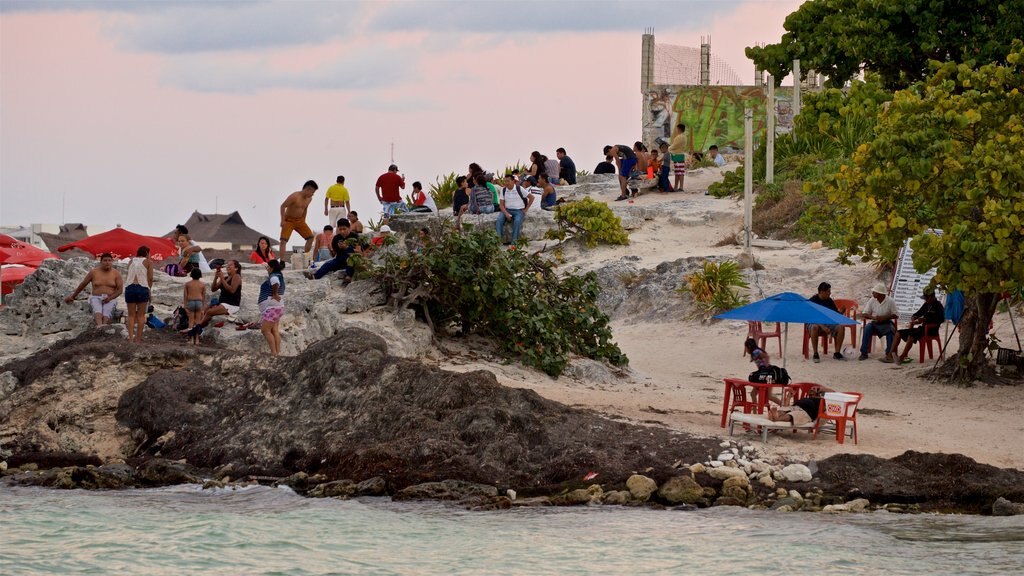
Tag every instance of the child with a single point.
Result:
(666, 161)
(322, 248)
(194, 297)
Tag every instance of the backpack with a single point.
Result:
(777, 374)
(518, 191)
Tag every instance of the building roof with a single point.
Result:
(68, 233)
(226, 228)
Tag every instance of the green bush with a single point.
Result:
(443, 190)
(467, 283)
(716, 287)
(590, 220)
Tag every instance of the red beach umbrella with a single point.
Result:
(124, 244)
(11, 276)
(13, 251)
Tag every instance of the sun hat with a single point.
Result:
(880, 288)
(385, 228)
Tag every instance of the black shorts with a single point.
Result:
(136, 294)
(917, 332)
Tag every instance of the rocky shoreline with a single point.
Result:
(344, 418)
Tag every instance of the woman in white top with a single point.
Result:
(138, 282)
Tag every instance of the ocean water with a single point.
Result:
(260, 530)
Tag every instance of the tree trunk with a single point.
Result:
(971, 361)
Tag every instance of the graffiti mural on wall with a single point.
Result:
(712, 114)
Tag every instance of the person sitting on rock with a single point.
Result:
(384, 233)
(229, 285)
(322, 246)
(107, 285)
(803, 411)
(344, 244)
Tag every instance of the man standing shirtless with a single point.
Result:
(293, 216)
(107, 285)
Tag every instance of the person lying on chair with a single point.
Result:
(803, 411)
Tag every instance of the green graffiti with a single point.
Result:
(714, 115)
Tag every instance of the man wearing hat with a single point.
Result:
(388, 190)
(928, 317)
(881, 310)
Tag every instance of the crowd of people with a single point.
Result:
(511, 196)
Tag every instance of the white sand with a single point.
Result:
(679, 365)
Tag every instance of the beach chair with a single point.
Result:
(764, 424)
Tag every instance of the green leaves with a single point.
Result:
(716, 286)
(592, 221)
(468, 283)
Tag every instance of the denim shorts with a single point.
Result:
(136, 294)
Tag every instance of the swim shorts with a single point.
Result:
(299, 226)
(194, 305)
(799, 415)
(272, 314)
(136, 294)
(627, 167)
(99, 307)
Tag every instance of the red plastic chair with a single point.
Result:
(841, 420)
(807, 342)
(931, 334)
(756, 331)
(850, 309)
(740, 399)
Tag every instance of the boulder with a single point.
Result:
(1003, 507)
(444, 490)
(375, 486)
(616, 498)
(796, 473)
(335, 489)
(641, 487)
(572, 498)
(724, 473)
(681, 490)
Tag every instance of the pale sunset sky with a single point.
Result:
(138, 113)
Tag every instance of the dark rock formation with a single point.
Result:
(936, 481)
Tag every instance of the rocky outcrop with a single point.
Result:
(633, 294)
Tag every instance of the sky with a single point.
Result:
(138, 113)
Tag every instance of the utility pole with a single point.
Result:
(769, 170)
(748, 176)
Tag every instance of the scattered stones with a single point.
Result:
(641, 487)
(797, 473)
(726, 456)
(482, 503)
(697, 468)
(790, 504)
(716, 464)
(681, 490)
(766, 481)
(511, 494)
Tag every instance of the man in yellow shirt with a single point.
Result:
(337, 203)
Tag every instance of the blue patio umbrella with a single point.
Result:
(786, 307)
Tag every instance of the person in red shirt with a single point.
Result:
(388, 190)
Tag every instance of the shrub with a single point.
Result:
(592, 221)
(443, 190)
(716, 287)
(467, 283)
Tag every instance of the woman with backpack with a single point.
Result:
(271, 302)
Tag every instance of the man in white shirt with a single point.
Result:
(881, 310)
(204, 265)
(514, 203)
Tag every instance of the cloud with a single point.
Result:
(227, 26)
(519, 17)
(358, 69)
(395, 104)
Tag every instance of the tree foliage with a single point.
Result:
(443, 190)
(947, 155)
(591, 221)
(716, 287)
(895, 38)
(467, 282)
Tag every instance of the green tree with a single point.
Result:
(468, 283)
(895, 38)
(947, 155)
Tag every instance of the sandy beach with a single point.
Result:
(677, 365)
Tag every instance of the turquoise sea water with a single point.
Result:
(259, 530)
